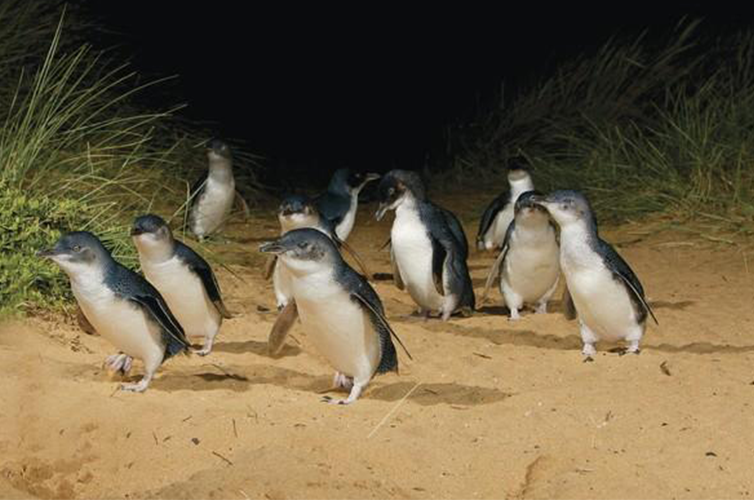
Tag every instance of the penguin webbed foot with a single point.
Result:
(119, 363)
(140, 386)
(588, 359)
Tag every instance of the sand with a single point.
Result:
(488, 408)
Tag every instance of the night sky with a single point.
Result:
(323, 87)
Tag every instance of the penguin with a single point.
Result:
(428, 247)
(339, 203)
(608, 297)
(499, 214)
(183, 277)
(340, 312)
(212, 195)
(528, 266)
(121, 305)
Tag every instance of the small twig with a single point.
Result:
(222, 458)
(393, 410)
(481, 355)
(664, 368)
(156, 441)
(235, 431)
(187, 418)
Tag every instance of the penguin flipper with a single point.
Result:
(456, 229)
(623, 271)
(342, 244)
(439, 258)
(202, 269)
(244, 206)
(196, 190)
(173, 334)
(488, 217)
(280, 329)
(269, 267)
(377, 315)
(496, 266)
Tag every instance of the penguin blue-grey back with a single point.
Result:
(339, 203)
(121, 305)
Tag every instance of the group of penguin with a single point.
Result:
(538, 237)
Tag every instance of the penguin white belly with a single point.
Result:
(281, 281)
(185, 294)
(532, 269)
(343, 230)
(120, 322)
(337, 326)
(413, 254)
(496, 234)
(213, 206)
(602, 302)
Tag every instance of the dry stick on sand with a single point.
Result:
(393, 410)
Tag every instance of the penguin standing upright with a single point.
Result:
(528, 266)
(183, 277)
(212, 195)
(428, 246)
(499, 214)
(608, 297)
(339, 310)
(121, 305)
(340, 202)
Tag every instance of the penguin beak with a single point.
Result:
(380, 213)
(372, 177)
(272, 247)
(538, 199)
(136, 231)
(47, 253)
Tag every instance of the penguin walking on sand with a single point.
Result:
(121, 305)
(428, 247)
(339, 203)
(212, 195)
(339, 310)
(608, 297)
(499, 214)
(183, 277)
(528, 266)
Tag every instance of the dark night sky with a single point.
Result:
(366, 88)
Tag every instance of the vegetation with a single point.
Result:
(76, 152)
(642, 127)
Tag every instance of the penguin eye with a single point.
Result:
(391, 191)
(76, 248)
(303, 245)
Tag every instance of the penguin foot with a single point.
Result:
(588, 359)
(140, 386)
(514, 315)
(333, 401)
(342, 381)
(119, 363)
(203, 351)
(541, 308)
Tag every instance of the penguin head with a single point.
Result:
(518, 169)
(397, 186)
(297, 211)
(357, 180)
(151, 233)
(218, 150)
(566, 207)
(525, 207)
(303, 251)
(78, 252)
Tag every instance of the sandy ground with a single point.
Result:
(488, 408)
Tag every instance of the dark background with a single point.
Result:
(321, 87)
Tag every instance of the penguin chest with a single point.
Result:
(185, 294)
(496, 234)
(337, 325)
(532, 265)
(343, 230)
(413, 254)
(213, 206)
(119, 321)
(601, 300)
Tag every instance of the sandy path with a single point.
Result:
(498, 409)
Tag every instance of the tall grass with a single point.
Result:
(76, 151)
(642, 127)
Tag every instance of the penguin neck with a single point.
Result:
(340, 188)
(408, 205)
(533, 222)
(86, 278)
(576, 239)
(520, 186)
(157, 253)
(221, 171)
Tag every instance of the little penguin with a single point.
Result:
(183, 277)
(121, 305)
(528, 266)
(499, 214)
(340, 312)
(428, 247)
(339, 203)
(608, 297)
(212, 195)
